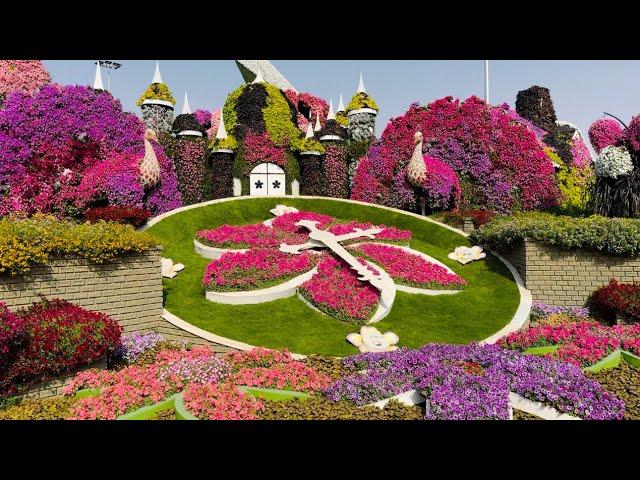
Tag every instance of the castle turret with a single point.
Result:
(157, 104)
(222, 147)
(361, 113)
(186, 124)
(97, 80)
(341, 114)
(311, 171)
(336, 159)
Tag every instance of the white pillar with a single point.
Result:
(486, 81)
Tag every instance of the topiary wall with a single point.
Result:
(311, 175)
(535, 105)
(221, 166)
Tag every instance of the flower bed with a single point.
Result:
(580, 343)
(255, 269)
(551, 314)
(129, 215)
(220, 402)
(473, 382)
(410, 269)
(616, 236)
(28, 242)
(336, 291)
(617, 300)
(623, 382)
(55, 337)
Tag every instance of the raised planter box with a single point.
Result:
(567, 277)
(129, 289)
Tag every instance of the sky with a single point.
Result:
(581, 90)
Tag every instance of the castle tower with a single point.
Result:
(157, 104)
(336, 161)
(311, 168)
(222, 147)
(185, 124)
(361, 113)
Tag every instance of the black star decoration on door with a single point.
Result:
(276, 184)
(259, 184)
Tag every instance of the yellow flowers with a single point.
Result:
(25, 243)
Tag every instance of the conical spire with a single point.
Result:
(259, 78)
(341, 104)
(97, 81)
(361, 85)
(332, 115)
(309, 131)
(318, 125)
(186, 108)
(221, 134)
(157, 78)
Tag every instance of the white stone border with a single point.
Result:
(251, 297)
(518, 320)
(362, 110)
(157, 102)
(213, 252)
(326, 138)
(221, 150)
(311, 152)
(537, 408)
(190, 133)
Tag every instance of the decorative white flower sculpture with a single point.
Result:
(282, 209)
(613, 162)
(465, 255)
(371, 340)
(169, 269)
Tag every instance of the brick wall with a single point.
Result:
(129, 289)
(568, 277)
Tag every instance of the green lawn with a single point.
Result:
(488, 303)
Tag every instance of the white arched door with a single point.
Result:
(267, 179)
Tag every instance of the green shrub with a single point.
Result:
(230, 143)
(574, 184)
(25, 243)
(58, 408)
(156, 91)
(617, 236)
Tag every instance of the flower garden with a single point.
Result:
(296, 267)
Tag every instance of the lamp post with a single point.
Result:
(486, 81)
(109, 65)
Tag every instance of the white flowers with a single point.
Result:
(613, 162)
(169, 269)
(371, 340)
(465, 254)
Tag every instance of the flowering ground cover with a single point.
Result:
(255, 269)
(487, 303)
(473, 382)
(581, 343)
(409, 269)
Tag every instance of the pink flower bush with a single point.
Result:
(605, 132)
(634, 133)
(440, 185)
(257, 268)
(293, 375)
(244, 236)
(215, 121)
(258, 148)
(580, 153)
(287, 222)
(388, 234)
(581, 343)
(23, 76)
(309, 103)
(213, 401)
(189, 160)
(203, 117)
(258, 358)
(410, 269)
(499, 161)
(336, 290)
(128, 389)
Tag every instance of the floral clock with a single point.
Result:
(350, 271)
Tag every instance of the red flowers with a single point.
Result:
(128, 215)
(59, 337)
(258, 148)
(617, 299)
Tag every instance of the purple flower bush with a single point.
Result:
(464, 382)
(542, 310)
(136, 344)
(51, 141)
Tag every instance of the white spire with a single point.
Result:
(361, 85)
(259, 78)
(318, 126)
(332, 115)
(221, 134)
(309, 131)
(186, 108)
(157, 78)
(97, 81)
(341, 104)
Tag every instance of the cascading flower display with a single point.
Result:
(500, 163)
(605, 132)
(613, 162)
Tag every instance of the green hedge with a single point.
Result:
(617, 236)
(28, 242)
